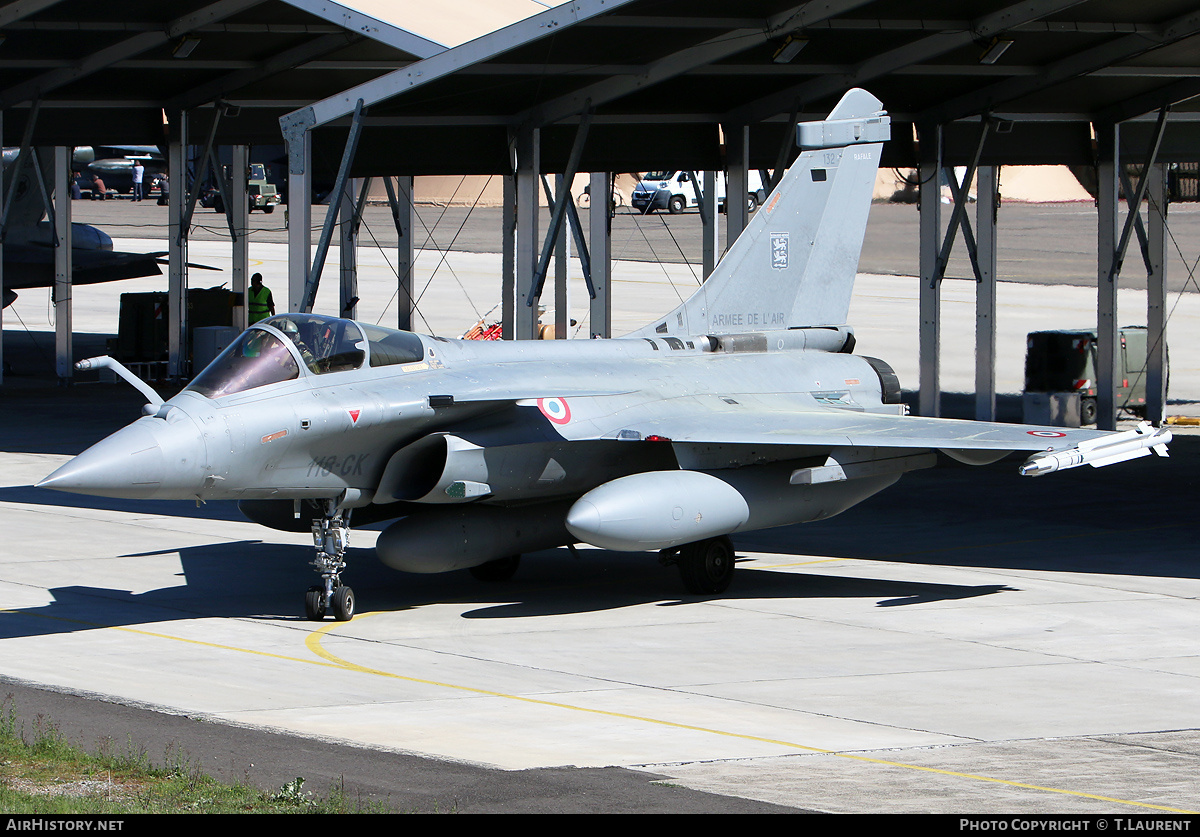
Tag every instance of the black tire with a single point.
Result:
(314, 607)
(751, 204)
(502, 569)
(677, 204)
(1087, 411)
(343, 604)
(706, 567)
(269, 208)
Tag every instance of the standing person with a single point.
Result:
(261, 303)
(139, 171)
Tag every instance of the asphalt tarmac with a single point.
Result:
(1041, 244)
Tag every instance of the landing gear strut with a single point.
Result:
(331, 536)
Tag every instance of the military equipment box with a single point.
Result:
(1064, 363)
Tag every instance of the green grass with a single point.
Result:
(42, 773)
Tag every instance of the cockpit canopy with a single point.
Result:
(325, 344)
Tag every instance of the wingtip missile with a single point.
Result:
(1108, 450)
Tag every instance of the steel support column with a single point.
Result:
(299, 217)
(239, 164)
(64, 360)
(348, 250)
(406, 254)
(737, 179)
(508, 264)
(600, 240)
(711, 243)
(562, 197)
(400, 198)
(526, 247)
(987, 193)
(177, 247)
(930, 205)
(1156, 297)
(1107, 336)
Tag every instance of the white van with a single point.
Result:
(675, 192)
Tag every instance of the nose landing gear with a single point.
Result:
(331, 536)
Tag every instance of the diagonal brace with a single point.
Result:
(560, 207)
(1135, 203)
(193, 193)
(958, 218)
(581, 250)
(22, 158)
(314, 275)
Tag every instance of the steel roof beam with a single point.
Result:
(88, 64)
(275, 64)
(957, 70)
(1081, 63)
(14, 13)
(1135, 106)
(443, 64)
(893, 59)
(352, 20)
(713, 49)
(868, 24)
(316, 64)
(157, 26)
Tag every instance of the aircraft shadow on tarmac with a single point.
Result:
(271, 577)
(1134, 520)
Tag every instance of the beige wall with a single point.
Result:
(483, 190)
(1029, 184)
(450, 22)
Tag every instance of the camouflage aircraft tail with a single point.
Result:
(794, 264)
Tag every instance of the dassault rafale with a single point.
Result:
(744, 408)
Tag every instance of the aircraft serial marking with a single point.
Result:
(344, 466)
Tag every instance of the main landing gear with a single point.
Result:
(331, 536)
(706, 567)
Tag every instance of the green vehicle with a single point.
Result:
(261, 192)
(1065, 361)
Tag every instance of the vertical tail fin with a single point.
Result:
(795, 263)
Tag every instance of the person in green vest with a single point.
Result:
(261, 303)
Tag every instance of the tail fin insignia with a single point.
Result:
(794, 264)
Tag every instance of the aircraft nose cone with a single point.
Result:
(148, 459)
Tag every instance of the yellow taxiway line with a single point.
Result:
(313, 643)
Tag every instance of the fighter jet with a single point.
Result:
(114, 163)
(29, 241)
(745, 408)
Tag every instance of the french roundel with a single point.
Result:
(555, 409)
(1051, 434)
